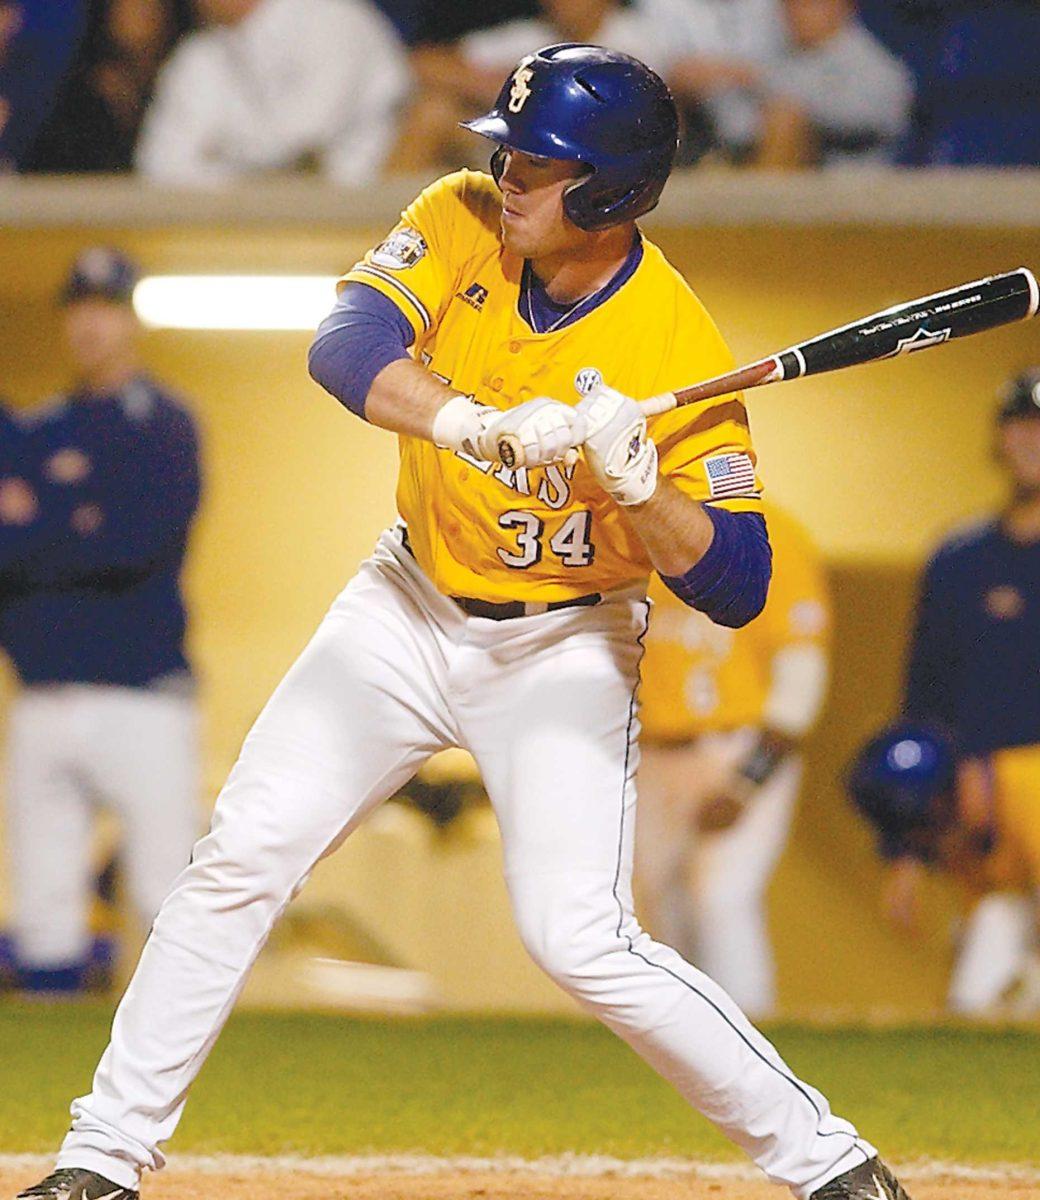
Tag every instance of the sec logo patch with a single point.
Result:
(586, 379)
(402, 249)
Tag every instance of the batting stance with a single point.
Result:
(723, 712)
(503, 615)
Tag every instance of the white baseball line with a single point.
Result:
(558, 1166)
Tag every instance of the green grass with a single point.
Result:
(305, 1084)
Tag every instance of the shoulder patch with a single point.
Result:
(808, 618)
(401, 250)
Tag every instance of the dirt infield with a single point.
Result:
(252, 1185)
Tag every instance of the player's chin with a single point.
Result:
(515, 238)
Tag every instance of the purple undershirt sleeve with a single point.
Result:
(729, 584)
(364, 333)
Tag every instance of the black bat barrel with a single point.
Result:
(970, 308)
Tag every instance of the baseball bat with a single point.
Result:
(906, 328)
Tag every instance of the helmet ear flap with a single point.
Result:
(498, 163)
(575, 201)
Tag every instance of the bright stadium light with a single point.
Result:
(234, 301)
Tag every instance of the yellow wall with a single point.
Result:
(875, 461)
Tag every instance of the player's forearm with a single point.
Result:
(675, 530)
(360, 356)
(405, 398)
(727, 579)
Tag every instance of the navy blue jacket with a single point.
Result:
(90, 590)
(975, 657)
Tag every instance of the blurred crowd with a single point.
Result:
(197, 92)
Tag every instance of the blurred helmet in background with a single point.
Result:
(102, 272)
(903, 780)
(1020, 397)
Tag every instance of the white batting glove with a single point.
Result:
(532, 434)
(617, 449)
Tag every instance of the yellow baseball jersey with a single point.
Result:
(698, 677)
(1015, 861)
(549, 533)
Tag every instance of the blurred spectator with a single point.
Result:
(978, 97)
(816, 89)
(99, 490)
(444, 22)
(640, 29)
(985, 102)
(37, 43)
(272, 85)
(98, 112)
(404, 15)
(974, 675)
(723, 713)
(459, 79)
(446, 87)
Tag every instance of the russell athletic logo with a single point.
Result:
(474, 296)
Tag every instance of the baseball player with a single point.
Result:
(94, 515)
(905, 782)
(503, 615)
(974, 671)
(723, 712)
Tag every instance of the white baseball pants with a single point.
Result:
(74, 748)
(704, 893)
(546, 706)
(996, 945)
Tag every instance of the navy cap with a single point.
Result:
(1020, 397)
(104, 272)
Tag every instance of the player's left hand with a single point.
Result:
(532, 434)
(539, 432)
(620, 454)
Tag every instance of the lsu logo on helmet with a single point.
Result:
(520, 91)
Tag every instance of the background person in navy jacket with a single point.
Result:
(98, 488)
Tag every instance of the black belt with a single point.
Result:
(508, 610)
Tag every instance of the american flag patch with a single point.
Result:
(730, 475)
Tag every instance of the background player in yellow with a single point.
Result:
(974, 683)
(723, 712)
(504, 615)
(923, 801)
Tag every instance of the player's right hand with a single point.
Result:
(532, 434)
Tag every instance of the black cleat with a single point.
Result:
(75, 1184)
(869, 1181)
